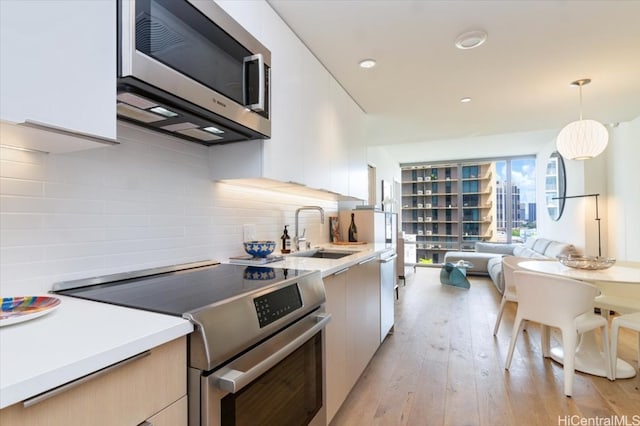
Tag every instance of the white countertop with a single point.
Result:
(330, 266)
(76, 339)
(81, 336)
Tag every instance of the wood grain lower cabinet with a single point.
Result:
(173, 415)
(152, 388)
(336, 341)
(353, 335)
(363, 317)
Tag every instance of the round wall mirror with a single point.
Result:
(555, 186)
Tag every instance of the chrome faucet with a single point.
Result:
(298, 238)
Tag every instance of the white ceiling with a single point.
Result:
(518, 80)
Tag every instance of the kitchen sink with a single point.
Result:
(323, 254)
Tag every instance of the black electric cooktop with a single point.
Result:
(176, 293)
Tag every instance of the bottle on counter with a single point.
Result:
(353, 230)
(286, 241)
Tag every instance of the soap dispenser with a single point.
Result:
(286, 241)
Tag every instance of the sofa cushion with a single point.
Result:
(523, 251)
(555, 249)
(540, 245)
(478, 260)
(494, 267)
(530, 242)
(494, 248)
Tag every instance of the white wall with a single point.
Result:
(570, 227)
(387, 169)
(478, 147)
(146, 202)
(614, 175)
(623, 187)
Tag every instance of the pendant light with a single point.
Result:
(582, 139)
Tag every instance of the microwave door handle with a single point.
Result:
(259, 106)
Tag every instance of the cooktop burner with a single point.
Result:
(233, 307)
(179, 292)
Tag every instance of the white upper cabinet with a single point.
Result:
(318, 133)
(284, 151)
(317, 130)
(58, 65)
(351, 165)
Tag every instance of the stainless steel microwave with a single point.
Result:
(188, 69)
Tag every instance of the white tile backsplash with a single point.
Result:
(146, 202)
(21, 187)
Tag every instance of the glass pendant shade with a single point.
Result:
(582, 140)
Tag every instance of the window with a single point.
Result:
(515, 199)
(470, 172)
(470, 186)
(452, 205)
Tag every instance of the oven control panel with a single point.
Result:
(277, 304)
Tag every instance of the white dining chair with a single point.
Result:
(630, 321)
(558, 302)
(509, 265)
(621, 304)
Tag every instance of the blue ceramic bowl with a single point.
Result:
(259, 248)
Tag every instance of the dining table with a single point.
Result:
(589, 358)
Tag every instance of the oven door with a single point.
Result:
(280, 382)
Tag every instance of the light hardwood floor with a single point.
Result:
(442, 366)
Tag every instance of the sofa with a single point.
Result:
(487, 259)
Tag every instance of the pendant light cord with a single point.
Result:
(581, 100)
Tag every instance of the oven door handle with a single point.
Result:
(235, 376)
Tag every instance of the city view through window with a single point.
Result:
(451, 206)
(516, 180)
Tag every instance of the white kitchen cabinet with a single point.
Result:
(318, 137)
(58, 66)
(351, 164)
(347, 118)
(353, 336)
(282, 154)
(151, 387)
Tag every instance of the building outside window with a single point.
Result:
(450, 206)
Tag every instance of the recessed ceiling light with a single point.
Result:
(465, 100)
(471, 39)
(367, 63)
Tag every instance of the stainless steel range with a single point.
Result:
(257, 353)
